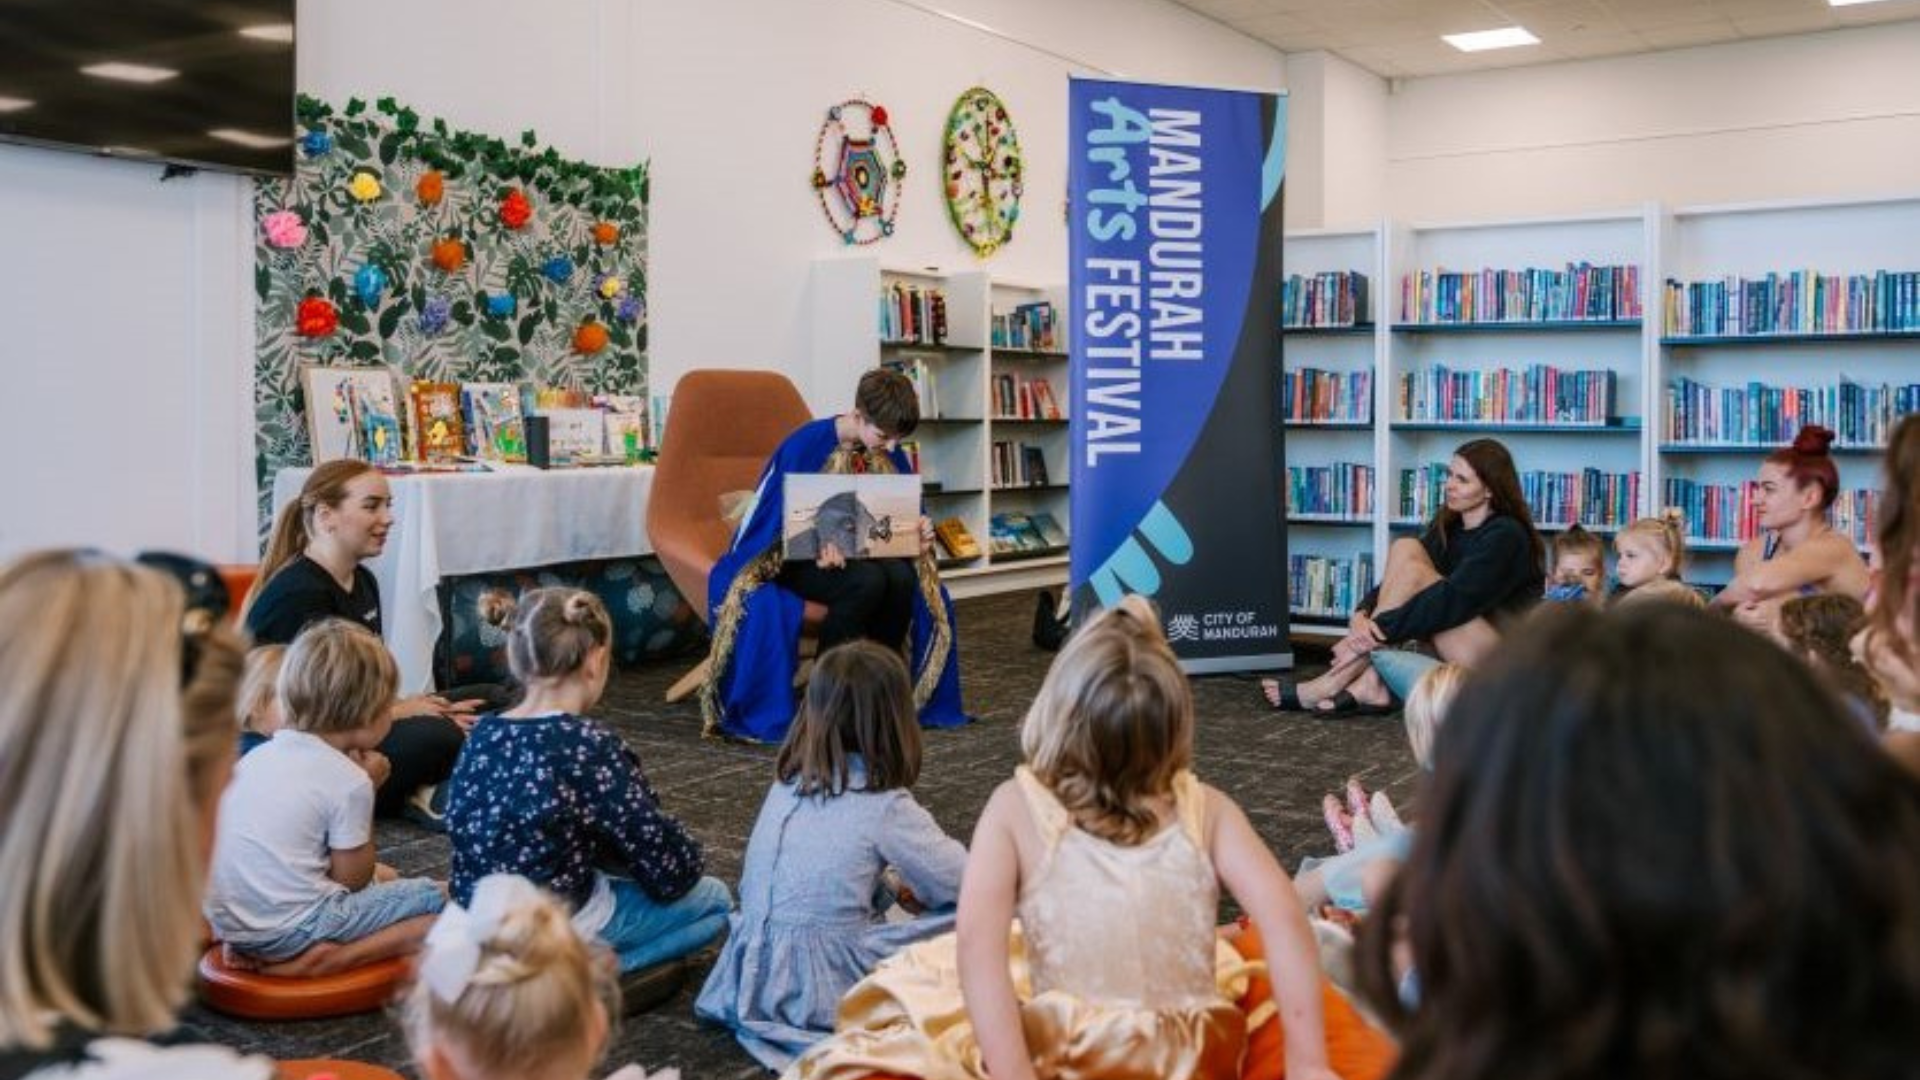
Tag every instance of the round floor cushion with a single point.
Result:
(268, 997)
(322, 1068)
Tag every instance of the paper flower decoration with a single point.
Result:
(364, 186)
(370, 284)
(557, 269)
(610, 286)
(515, 210)
(316, 317)
(284, 229)
(449, 254)
(502, 305)
(431, 186)
(605, 233)
(316, 143)
(589, 338)
(629, 309)
(433, 317)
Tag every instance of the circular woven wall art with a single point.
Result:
(983, 170)
(857, 171)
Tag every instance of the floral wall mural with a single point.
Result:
(443, 255)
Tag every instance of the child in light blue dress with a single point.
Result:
(839, 841)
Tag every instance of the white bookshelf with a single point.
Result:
(959, 427)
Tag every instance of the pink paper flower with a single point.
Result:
(284, 229)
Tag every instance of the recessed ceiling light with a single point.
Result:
(252, 140)
(140, 73)
(1481, 40)
(14, 104)
(280, 32)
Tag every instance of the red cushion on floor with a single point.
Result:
(268, 997)
(1355, 1049)
(318, 1068)
(238, 579)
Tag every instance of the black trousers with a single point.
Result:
(867, 598)
(423, 749)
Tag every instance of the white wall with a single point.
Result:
(1833, 114)
(126, 302)
(1336, 143)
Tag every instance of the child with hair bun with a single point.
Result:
(1651, 552)
(508, 990)
(1579, 567)
(545, 792)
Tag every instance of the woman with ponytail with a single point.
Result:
(312, 571)
(1797, 552)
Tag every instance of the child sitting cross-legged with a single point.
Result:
(295, 887)
(543, 791)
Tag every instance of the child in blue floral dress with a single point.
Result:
(546, 793)
(838, 836)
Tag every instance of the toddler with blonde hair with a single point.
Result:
(1651, 553)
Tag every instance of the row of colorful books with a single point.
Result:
(1581, 292)
(1794, 302)
(926, 384)
(1757, 414)
(1326, 587)
(1030, 532)
(1018, 464)
(1591, 497)
(912, 314)
(1027, 326)
(1311, 395)
(1731, 512)
(1541, 394)
(1016, 397)
(1341, 490)
(1333, 298)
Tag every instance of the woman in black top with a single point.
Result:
(1479, 561)
(311, 572)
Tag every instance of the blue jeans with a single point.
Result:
(348, 916)
(643, 931)
(1401, 668)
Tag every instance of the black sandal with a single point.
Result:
(1344, 704)
(1288, 699)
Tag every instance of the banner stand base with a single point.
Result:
(1219, 665)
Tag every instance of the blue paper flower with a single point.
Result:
(370, 284)
(558, 269)
(502, 305)
(629, 309)
(433, 318)
(316, 143)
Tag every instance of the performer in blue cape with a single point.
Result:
(756, 599)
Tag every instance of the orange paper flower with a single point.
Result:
(515, 210)
(605, 232)
(590, 338)
(431, 186)
(449, 254)
(317, 318)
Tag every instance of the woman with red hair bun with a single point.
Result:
(1797, 552)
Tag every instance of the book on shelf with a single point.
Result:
(495, 431)
(912, 314)
(1013, 531)
(1018, 464)
(1730, 513)
(1323, 586)
(1017, 397)
(1028, 326)
(926, 387)
(1756, 414)
(1048, 526)
(1033, 462)
(1311, 395)
(1580, 292)
(1591, 497)
(438, 433)
(865, 515)
(1330, 299)
(1045, 406)
(1794, 302)
(1341, 490)
(1540, 394)
(955, 540)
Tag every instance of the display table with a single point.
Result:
(448, 524)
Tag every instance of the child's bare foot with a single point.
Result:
(1338, 823)
(382, 873)
(321, 958)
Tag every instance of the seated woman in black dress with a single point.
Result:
(1479, 561)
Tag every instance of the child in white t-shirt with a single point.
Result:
(295, 888)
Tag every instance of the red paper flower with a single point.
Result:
(316, 317)
(431, 187)
(515, 210)
(449, 254)
(605, 232)
(879, 115)
(590, 338)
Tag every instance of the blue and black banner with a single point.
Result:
(1178, 463)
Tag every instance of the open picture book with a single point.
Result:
(865, 515)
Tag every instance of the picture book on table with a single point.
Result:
(352, 413)
(865, 515)
(494, 428)
(626, 414)
(575, 432)
(439, 435)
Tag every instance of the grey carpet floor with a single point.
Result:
(1276, 765)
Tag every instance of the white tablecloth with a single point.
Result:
(447, 524)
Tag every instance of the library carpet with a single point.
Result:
(1276, 765)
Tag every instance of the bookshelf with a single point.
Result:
(987, 444)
